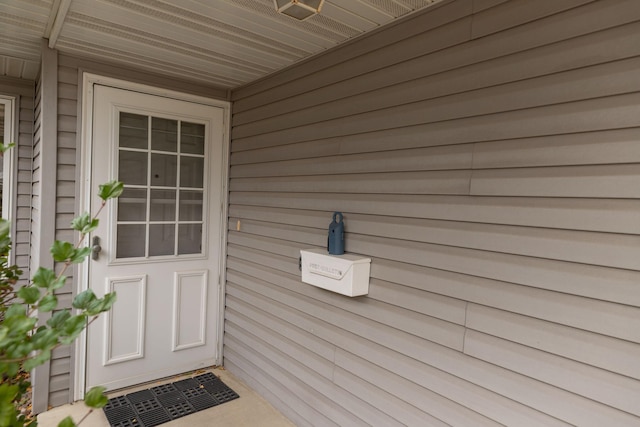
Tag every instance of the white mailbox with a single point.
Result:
(346, 274)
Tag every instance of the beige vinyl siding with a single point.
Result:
(23, 91)
(486, 157)
(43, 198)
(65, 190)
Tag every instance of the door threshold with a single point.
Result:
(161, 381)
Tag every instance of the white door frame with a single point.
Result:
(82, 282)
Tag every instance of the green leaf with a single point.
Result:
(83, 299)
(8, 412)
(91, 226)
(67, 422)
(44, 277)
(72, 328)
(101, 305)
(38, 360)
(5, 147)
(57, 320)
(29, 294)
(5, 229)
(110, 190)
(48, 303)
(84, 223)
(109, 300)
(19, 324)
(79, 255)
(79, 222)
(62, 251)
(15, 310)
(95, 398)
(45, 338)
(10, 369)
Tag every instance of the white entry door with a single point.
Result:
(160, 241)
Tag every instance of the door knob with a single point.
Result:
(95, 248)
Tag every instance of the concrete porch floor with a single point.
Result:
(249, 410)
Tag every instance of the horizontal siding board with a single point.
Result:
(616, 320)
(375, 131)
(420, 159)
(276, 380)
(284, 344)
(409, 367)
(255, 379)
(410, 104)
(279, 262)
(67, 123)
(580, 278)
(67, 140)
(321, 402)
(616, 216)
(68, 91)
(604, 249)
(594, 349)
(425, 75)
(59, 367)
(472, 289)
(379, 397)
(547, 399)
(268, 245)
(445, 308)
(68, 75)
(592, 148)
(360, 413)
(615, 390)
(59, 383)
(514, 13)
(304, 150)
(367, 328)
(289, 331)
(591, 18)
(59, 398)
(427, 327)
(295, 217)
(615, 181)
(67, 107)
(438, 406)
(430, 182)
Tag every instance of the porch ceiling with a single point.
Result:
(225, 43)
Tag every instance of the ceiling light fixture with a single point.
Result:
(299, 9)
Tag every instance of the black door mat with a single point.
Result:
(163, 403)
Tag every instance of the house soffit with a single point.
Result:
(224, 43)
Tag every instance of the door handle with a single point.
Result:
(95, 248)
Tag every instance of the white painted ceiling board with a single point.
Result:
(225, 43)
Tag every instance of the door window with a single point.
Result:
(161, 211)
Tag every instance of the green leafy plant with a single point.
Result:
(26, 344)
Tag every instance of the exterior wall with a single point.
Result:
(66, 82)
(23, 91)
(486, 156)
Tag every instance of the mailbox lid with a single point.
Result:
(346, 259)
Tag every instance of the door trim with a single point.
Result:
(89, 80)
